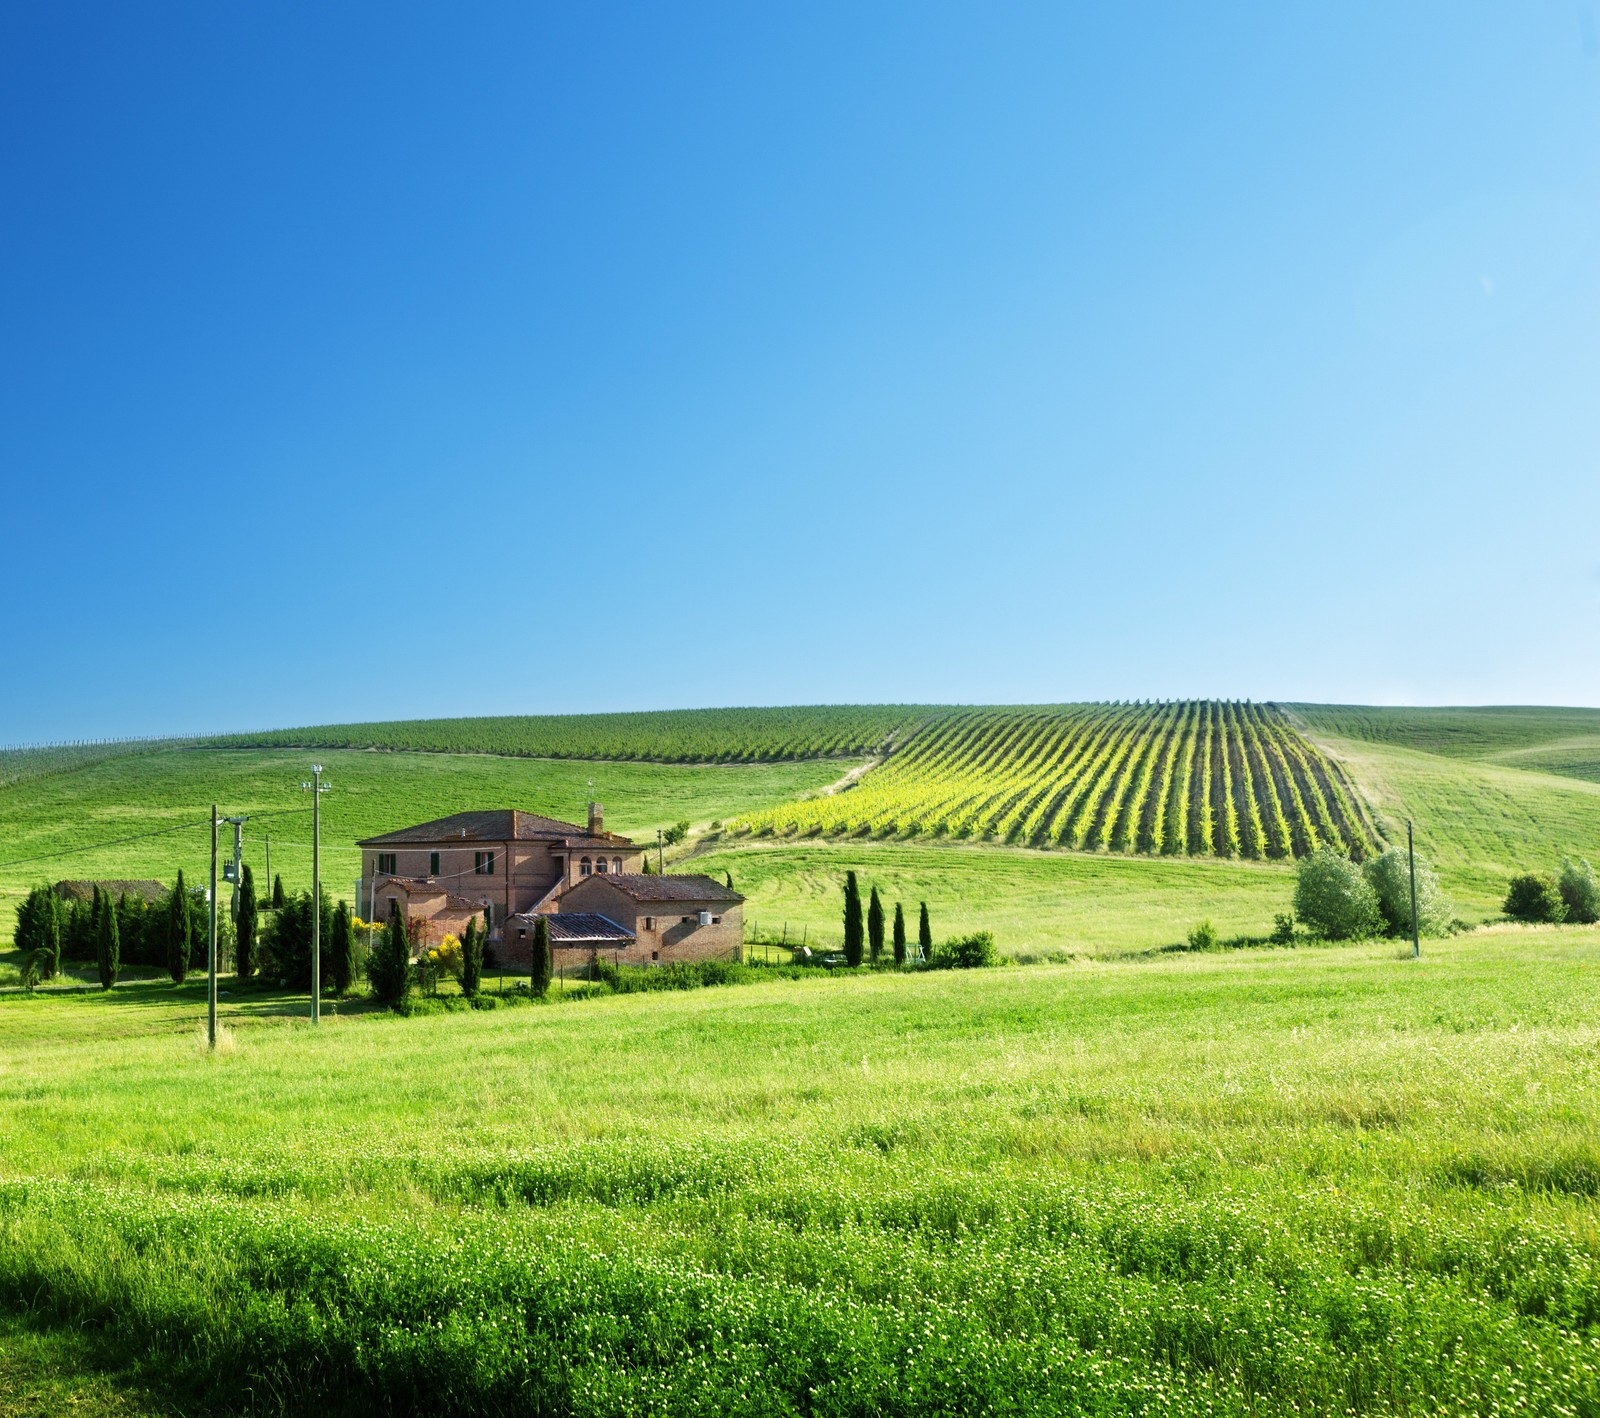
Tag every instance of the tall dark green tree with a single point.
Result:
(875, 926)
(342, 951)
(180, 940)
(925, 932)
(244, 956)
(899, 934)
(107, 943)
(543, 967)
(471, 959)
(277, 892)
(38, 931)
(729, 876)
(77, 940)
(853, 941)
(389, 969)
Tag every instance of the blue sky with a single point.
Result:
(385, 361)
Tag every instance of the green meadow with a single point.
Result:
(1324, 1180)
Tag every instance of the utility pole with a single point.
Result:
(1411, 857)
(661, 864)
(231, 872)
(316, 790)
(211, 943)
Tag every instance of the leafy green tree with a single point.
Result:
(1333, 897)
(924, 932)
(389, 969)
(1535, 897)
(180, 939)
(676, 833)
(853, 941)
(539, 981)
(899, 934)
(1580, 891)
(277, 892)
(77, 940)
(471, 959)
(108, 945)
(342, 950)
(244, 960)
(1390, 875)
(39, 930)
(875, 925)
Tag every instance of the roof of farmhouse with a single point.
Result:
(583, 928)
(500, 824)
(670, 888)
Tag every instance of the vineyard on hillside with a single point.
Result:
(1189, 778)
(666, 736)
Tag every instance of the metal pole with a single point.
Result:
(316, 893)
(661, 862)
(1411, 856)
(268, 840)
(211, 943)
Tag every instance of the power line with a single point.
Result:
(113, 842)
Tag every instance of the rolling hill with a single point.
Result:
(1153, 815)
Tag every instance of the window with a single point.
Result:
(600, 865)
(585, 867)
(649, 923)
(433, 864)
(385, 863)
(686, 921)
(616, 865)
(716, 920)
(655, 955)
(521, 934)
(483, 863)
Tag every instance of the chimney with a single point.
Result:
(597, 820)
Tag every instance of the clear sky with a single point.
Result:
(370, 361)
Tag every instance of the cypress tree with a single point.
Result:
(899, 934)
(179, 941)
(107, 944)
(96, 910)
(389, 970)
(244, 958)
(729, 876)
(277, 892)
(852, 921)
(925, 934)
(50, 929)
(875, 926)
(471, 959)
(342, 949)
(539, 981)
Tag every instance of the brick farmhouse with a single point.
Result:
(511, 867)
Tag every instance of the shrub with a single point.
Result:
(1580, 891)
(965, 952)
(1283, 928)
(1203, 937)
(676, 833)
(1535, 897)
(1333, 898)
(1390, 875)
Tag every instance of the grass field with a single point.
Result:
(1315, 1181)
(1034, 902)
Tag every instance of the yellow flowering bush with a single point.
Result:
(445, 958)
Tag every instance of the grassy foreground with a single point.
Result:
(1317, 1181)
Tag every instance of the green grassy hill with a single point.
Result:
(944, 810)
(1317, 1181)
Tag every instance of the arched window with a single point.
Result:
(600, 865)
(585, 867)
(616, 865)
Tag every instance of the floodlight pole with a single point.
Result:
(211, 943)
(1411, 857)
